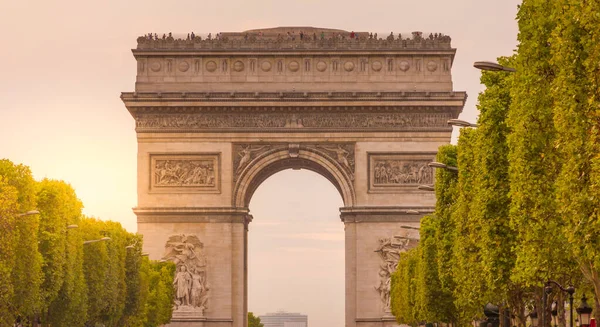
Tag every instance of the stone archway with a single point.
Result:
(216, 117)
(273, 158)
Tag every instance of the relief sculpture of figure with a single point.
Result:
(183, 284)
(389, 250)
(190, 283)
(184, 173)
(246, 156)
(341, 155)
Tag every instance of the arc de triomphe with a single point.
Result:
(215, 117)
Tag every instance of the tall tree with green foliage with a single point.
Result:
(8, 210)
(446, 193)
(429, 297)
(470, 291)
(159, 306)
(575, 92)
(492, 203)
(26, 274)
(254, 321)
(404, 289)
(58, 205)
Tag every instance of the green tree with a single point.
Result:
(542, 250)
(404, 288)
(58, 205)
(159, 306)
(430, 297)
(8, 210)
(254, 321)
(470, 291)
(446, 193)
(575, 92)
(26, 274)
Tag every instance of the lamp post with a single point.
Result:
(435, 164)
(492, 66)
(94, 241)
(492, 313)
(584, 311)
(569, 290)
(461, 123)
(28, 213)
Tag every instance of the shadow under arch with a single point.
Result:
(282, 158)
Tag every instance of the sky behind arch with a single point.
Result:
(65, 62)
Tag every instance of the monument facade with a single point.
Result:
(216, 116)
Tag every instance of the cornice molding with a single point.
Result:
(379, 214)
(304, 97)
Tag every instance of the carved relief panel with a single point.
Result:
(399, 172)
(389, 250)
(194, 173)
(190, 282)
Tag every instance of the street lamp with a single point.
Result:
(94, 241)
(569, 290)
(534, 317)
(584, 311)
(72, 226)
(28, 213)
(492, 66)
(492, 313)
(436, 164)
(461, 123)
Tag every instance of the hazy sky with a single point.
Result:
(63, 65)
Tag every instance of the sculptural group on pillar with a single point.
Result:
(190, 283)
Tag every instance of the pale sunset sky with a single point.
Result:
(64, 64)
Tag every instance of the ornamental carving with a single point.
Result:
(341, 153)
(190, 283)
(259, 40)
(185, 172)
(389, 250)
(281, 120)
(399, 171)
(184, 66)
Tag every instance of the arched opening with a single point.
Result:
(302, 157)
(296, 246)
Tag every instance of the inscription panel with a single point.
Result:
(399, 172)
(185, 173)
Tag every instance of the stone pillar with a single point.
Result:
(222, 234)
(374, 238)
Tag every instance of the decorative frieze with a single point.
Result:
(399, 172)
(185, 173)
(283, 120)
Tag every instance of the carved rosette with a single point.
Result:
(190, 283)
(399, 172)
(185, 172)
(244, 155)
